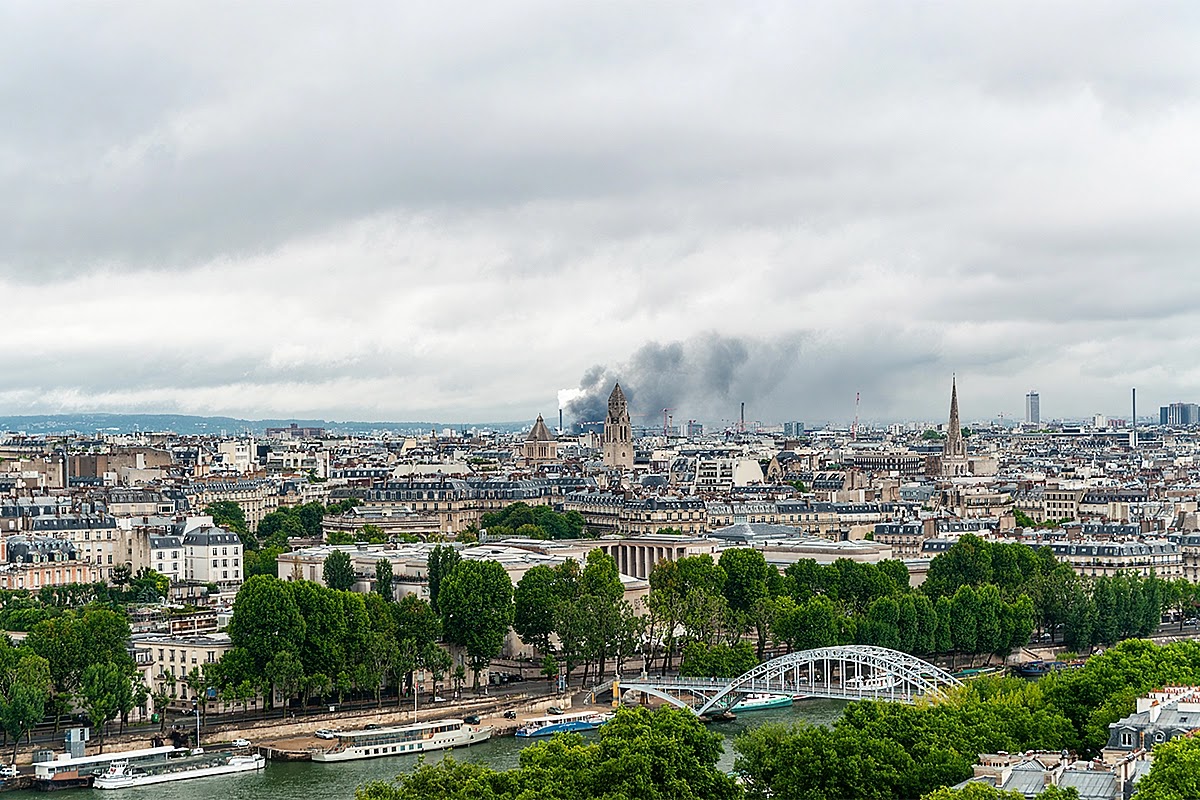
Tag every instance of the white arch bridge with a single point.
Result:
(849, 672)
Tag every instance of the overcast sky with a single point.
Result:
(454, 211)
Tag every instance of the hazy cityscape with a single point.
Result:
(600, 401)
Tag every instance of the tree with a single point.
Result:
(964, 620)
(229, 515)
(806, 626)
(442, 560)
(338, 571)
(535, 602)
(278, 527)
(882, 624)
(1174, 773)
(476, 606)
(266, 621)
(149, 586)
(717, 661)
(981, 791)
(286, 673)
(25, 688)
(383, 579)
(73, 641)
(968, 562)
(678, 593)
(100, 690)
(748, 578)
(602, 590)
(988, 621)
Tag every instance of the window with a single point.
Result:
(214, 562)
(1126, 739)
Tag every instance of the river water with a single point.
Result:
(316, 781)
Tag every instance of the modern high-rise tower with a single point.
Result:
(1033, 409)
(618, 434)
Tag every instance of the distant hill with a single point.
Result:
(187, 424)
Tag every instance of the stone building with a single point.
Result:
(540, 446)
(618, 433)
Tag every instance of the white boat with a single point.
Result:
(190, 764)
(420, 737)
(66, 772)
(758, 702)
(563, 723)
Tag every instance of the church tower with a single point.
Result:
(954, 450)
(540, 446)
(618, 433)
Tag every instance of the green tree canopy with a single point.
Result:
(442, 559)
(383, 579)
(1174, 773)
(337, 571)
(476, 607)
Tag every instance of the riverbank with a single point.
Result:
(297, 742)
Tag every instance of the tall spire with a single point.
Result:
(954, 426)
(954, 445)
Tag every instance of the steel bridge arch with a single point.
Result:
(890, 675)
(911, 677)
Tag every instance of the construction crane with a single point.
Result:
(666, 420)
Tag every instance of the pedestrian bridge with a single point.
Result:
(850, 672)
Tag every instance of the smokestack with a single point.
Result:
(742, 424)
(1133, 442)
(560, 427)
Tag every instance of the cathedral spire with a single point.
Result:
(954, 446)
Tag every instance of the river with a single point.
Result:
(314, 781)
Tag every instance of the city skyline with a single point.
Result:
(382, 212)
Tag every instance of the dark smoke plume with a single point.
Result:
(704, 377)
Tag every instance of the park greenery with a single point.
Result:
(532, 522)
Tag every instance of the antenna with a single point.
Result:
(854, 427)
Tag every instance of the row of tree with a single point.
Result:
(533, 522)
(309, 641)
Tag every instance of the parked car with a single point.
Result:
(471, 719)
(371, 726)
(241, 742)
(510, 714)
(9, 771)
(554, 710)
(438, 699)
(325, 733)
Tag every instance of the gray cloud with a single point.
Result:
(393, 210)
